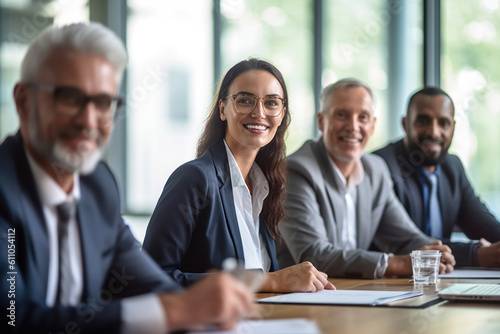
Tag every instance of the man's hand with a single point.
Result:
(217, 300)
(488, 254)
(398, 265)
(302, 277)
(447, 259)
(401, 264)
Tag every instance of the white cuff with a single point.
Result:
(143, 314)
(382, 264)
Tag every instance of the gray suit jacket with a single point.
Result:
(315, 211)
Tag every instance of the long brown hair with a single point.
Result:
(271, 158)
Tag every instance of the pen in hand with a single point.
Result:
(252, 278)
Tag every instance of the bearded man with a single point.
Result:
(432, 184)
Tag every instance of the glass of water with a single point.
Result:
(425, 265)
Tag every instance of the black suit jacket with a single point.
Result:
(459, 204)
(113, 264)
(194, 227)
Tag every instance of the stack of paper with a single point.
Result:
(341, 297)
(472, 273)
(281, 326)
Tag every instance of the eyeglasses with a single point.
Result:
(245, 104)
(71, 101)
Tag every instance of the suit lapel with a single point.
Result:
(37, 257)
(415, 197)
(270, 245)
(409, 186)
(363, 214)
(338, 210)
(37, 260)
(445, 201)
(331, 189)
(219, 157)
(91, 243)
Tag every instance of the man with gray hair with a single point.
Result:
(69, 263)
(340, 201)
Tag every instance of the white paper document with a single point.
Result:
(341, 297)
(280, 326)
(472, 273)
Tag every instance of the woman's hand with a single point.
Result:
(302, 277)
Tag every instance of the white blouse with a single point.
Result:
(248, 208)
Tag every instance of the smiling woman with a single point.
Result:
(249, 125)
(229, 201)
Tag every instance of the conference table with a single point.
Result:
(422, 314)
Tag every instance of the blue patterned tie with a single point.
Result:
(435, 222)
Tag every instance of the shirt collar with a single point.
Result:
(259, 181)
(422, 172)
(355, 178)
(51, 194)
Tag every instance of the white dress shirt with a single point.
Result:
(140, 314)
(348, 229)
(51, 195)
(248, 208)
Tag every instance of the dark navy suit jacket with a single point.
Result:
(194, 227)
(459, 204)
(113, 264)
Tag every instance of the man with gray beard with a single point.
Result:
(69, 263)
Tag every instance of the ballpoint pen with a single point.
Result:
(252, 278)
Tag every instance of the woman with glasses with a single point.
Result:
(228, 202)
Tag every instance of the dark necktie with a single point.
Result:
(65, 212)
(435, 227)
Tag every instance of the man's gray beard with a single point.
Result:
(61, 159)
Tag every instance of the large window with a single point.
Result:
(471, 75)
(380, 43)
(355, 46)
(20, 22)
(279, 31)
(170, 82)
(170, 88)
